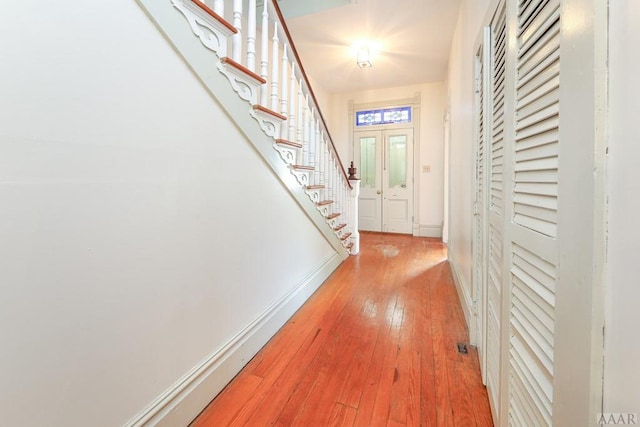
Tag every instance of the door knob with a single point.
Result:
(378, 192)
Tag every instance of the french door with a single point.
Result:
(385, 161)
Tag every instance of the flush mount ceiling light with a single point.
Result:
(364, 57)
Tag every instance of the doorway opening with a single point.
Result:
(385, 161)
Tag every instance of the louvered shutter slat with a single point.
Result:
(551, 124)
(538, 152)
(535, 200)
(543, 176)
(535, 205)
(528, 12)
(544, 18)
(544, 82)
(531, 393)
(537, 139)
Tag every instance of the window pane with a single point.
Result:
(368, 161)
(398, 161)
(383, 116)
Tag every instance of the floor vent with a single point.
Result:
(462, 348)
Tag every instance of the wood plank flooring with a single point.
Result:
(376, 345)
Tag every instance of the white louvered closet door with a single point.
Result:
(533, 199)
(479, 206)
(498, 37)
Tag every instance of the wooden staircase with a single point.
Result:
(279, 99)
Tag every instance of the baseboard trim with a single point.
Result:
(429, 231)
(181, 403)
(465, 299)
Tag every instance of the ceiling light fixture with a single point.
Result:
(364, 57)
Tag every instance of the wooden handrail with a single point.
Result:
(215, 16)
(306, 80)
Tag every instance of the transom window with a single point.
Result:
(383, 116)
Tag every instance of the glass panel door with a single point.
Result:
(397, 189)
(384, 159)
(398, 161)
(367, 159)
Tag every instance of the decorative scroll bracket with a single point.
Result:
(269, 123)
(288, 155)
(212, 33)
(314, 195)
(302, 176)
(245, 86)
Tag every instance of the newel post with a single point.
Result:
(355, 192)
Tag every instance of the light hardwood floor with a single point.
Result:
(376, 345)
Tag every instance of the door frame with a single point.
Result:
(478, 330)
(414, 103)
(446, 179)
(385, 193)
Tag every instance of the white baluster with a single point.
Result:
(311, 132)
(316, 139)
(300, 121)
(321, 164)
(337, 184)
(341, 188)
(292, 104)
(305, 136)
(347, 205)
(345, 199)
(330, 172)
(340, 206)
(264, 56)
(347, 192)
(325, 153)
(236, 39)
(274, 68)
(251, 36)
(336, 195)
(353, 218)
(284, 97)
(218, 7)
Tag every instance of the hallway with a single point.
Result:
(374, 346)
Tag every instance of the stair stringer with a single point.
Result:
(204, 63)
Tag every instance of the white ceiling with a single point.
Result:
(415, 38)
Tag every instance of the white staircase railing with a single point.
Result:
(265, 70)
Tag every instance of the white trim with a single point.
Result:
(447, 156)
(182, 402)
(426, 230)
(416, 105)
(465, 299)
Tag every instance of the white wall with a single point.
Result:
(139, 231)
(622, 347)
(461, 99)
(322, 96)
(431, 140)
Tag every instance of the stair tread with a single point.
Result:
(289, 143)
(345, 237)
(242, 68)
(303, 167)
(339, 227)
(333, 215)
(265, 110)
(215, 16)
(315, 187)
(325, 202)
